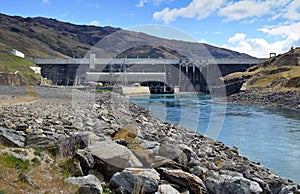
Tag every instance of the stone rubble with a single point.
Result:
(288, 99)
(126, 148)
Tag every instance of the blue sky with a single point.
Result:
(255, 27)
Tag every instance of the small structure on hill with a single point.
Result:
(37, 70)
(18, 53)
(272, 55)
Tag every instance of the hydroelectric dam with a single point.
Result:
(159, 74)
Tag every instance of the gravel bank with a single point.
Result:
(289, 99)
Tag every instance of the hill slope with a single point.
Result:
(44, 38)
(278, 73)
(10, 64)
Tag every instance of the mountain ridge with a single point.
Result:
(49, 38)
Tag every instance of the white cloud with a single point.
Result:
(141, 3)
(256, 47)
(244, 9)
(254, 9)
(198, 9)
(94, 23)
(202, 41)
(293, 11)
(248, 10)
(288, 32)
(237, 38)
(46, 2)
(286, 35)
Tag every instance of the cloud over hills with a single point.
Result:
(284, 34)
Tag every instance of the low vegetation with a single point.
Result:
(11, 64)
(46, 174)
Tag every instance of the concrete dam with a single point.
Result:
(160, 75)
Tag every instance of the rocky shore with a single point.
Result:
(116, 146)
(285, 99)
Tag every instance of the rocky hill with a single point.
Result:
(275, 82)
(279, 73)
(41, 37)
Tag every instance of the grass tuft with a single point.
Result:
(11, 161)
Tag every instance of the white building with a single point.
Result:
(18, 53)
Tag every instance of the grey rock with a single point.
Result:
(122, 142)
(86, 159)
(39, 120)
(160, 161)
(136, 180)
(34, 140)
(111, 157)
(109, 132)
(49, 133)
(82, 139)
(185, 179)
(10, 137)
(89, 183)
(21, 127)
(184, 191)
(289, 189)
(97, 174)
(150, 145)
(199, 171)
(26, 179)
(166, 189)
(276, 186)
(88, 189)
(173, 152)
(229, 182)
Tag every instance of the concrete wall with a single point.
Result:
(135, 91)
(130, 77)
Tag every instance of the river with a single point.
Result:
(269, 135)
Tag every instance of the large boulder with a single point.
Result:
(111, 157)
(185, 179)
(41, 141)
(135, 180)
(87, 184)
(228, 182)
(10, 137)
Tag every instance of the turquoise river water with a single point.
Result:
(269, 135)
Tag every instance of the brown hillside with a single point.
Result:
(277, 73)
(43, 38)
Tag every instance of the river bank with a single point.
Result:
(284, 99)
(122, 146)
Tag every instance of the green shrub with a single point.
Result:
(35, 161)
(37, 151)
(3, 191)
(8, 160)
